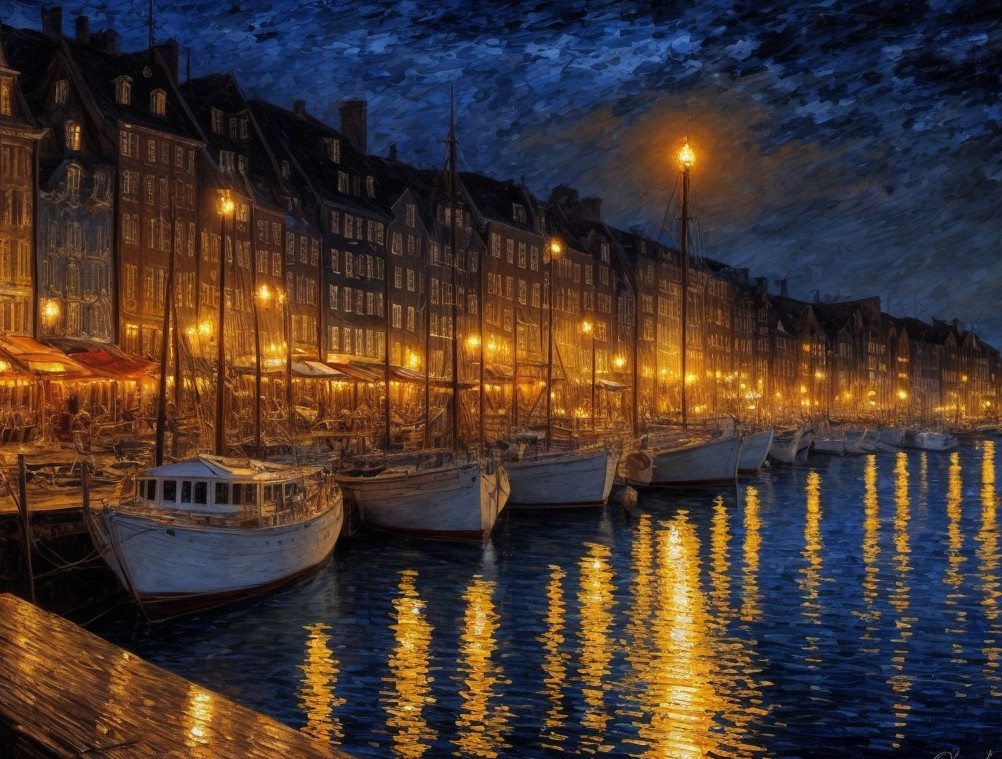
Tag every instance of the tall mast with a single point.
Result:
(454, 240)
(226, 208)
(164, 349)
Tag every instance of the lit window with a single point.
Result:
(73, 135)
(6, 96)
(123, 90)
(158, 102)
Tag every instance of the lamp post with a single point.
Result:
(226, 207)
(687, 158)
(551, 253)
(589, 329)
(161, 423)
(261, 295)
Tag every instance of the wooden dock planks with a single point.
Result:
(65, 692)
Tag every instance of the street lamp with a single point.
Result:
(589, 329)
(687, 158)
(262, 295)
(553, 252)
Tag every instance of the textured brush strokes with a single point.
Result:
(853, 147)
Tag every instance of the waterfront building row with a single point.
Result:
(134, 203)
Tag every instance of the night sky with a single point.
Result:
(852, 147)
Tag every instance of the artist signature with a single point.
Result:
(955, 755)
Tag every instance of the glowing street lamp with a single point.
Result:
(226, 208)
(687, 159)
(51, 310)
(554, 251)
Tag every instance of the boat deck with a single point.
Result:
(65, 692)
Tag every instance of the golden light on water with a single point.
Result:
(811, 573)
(750, 611)
(316, 691)
(596, 600)
(954, 577)
(720, 583)
(988, 569)
(555, 660)
(409, 686)
(483, 719)
(900, 680)
(871, 548)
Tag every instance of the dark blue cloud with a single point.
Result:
(851, 146)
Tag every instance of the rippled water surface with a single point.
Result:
(848, 607)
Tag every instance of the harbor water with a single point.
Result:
(846, 607)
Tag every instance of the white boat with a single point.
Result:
(200, 532)
(754, 450)
(791, 446)
(432, 495)
(556, 479)
(930, 440)
(664, 463)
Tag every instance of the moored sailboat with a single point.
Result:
(754, 450)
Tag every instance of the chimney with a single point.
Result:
(299, 108)
(106, 41)
(782, 287)
(353, 124)
(170, 54)
(83, 30)
(590, 209)
(52, 21)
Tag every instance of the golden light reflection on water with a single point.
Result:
(409, 682)
(679, 696)
(900, 596)
(482, 722)
(316, 692)
(555, 660)
(811, 573)
(720, 579)
(871, 549)
(954, 577)
(596, 600)
(750, 595)
(988, 569)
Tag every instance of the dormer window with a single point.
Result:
(518, 212)
(158, 102)
(226, 160)
(334, 150)
(342, 181)
(370, 186)
(73, 133)
(62, 92)
(123, 90)
(217, 121)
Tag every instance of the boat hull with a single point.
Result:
(564, 479)
(930, 441)
(168, 566)
(754, 450)
(702, 463)
(459, 502)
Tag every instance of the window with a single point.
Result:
(342, 181)
(158, 102)
(62, 93)
(334, 151)
(123, 90)
(6, 96)
(73, 134)
(370, 186)
(73, 178)
(217, 121)
(226, 161)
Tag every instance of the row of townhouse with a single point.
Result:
(132, 201)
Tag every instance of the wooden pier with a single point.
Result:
(65, 692)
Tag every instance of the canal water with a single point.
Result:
(848, 607)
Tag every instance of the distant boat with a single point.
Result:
(791, 445)
(562, 478)
(661, 462)
(430, 494)
(754, 450)
(210, 530)
(930, 440)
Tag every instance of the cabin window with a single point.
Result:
(148, 488)
(170, 491)
(222, 493)
(267, 493)
(201, 492)
(185, 491)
